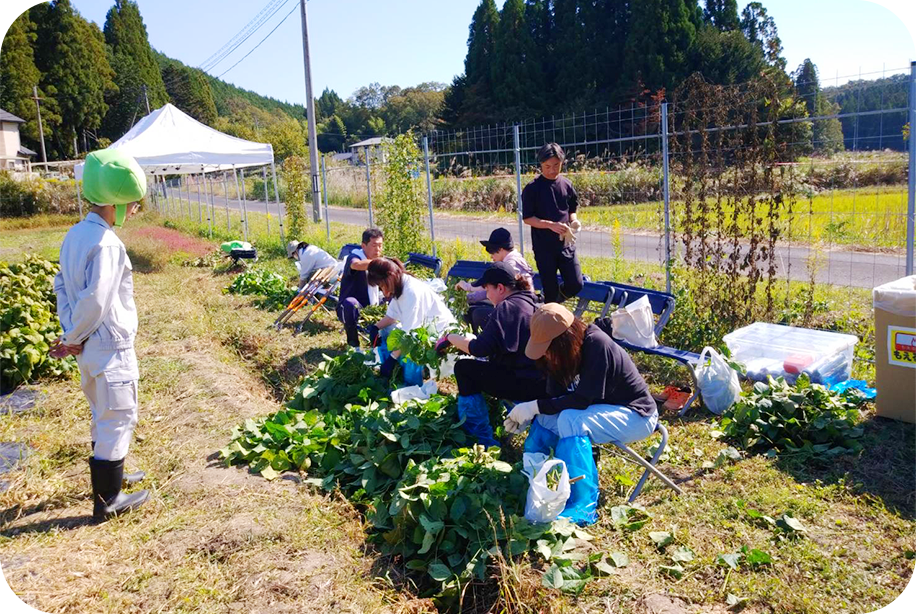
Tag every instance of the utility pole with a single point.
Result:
(310, 110)
(146, 98)
(41, 130)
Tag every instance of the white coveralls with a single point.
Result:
(95, 303)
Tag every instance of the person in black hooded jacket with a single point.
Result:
(507, 373)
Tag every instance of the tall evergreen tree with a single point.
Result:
(478, 101)
(18, 75)
(190, 91)
(662, 33)
(760, 29)
(454, 102)
(572, 58)
(722, 14)
(72, 59)
(726, 57)
(517, 78)
(807, 85)
(826, 134)
(611, 24)
(136, 65)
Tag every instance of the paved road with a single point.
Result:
(844, 268)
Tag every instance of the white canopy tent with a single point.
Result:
(171, 142)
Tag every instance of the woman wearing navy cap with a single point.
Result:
(507, 373)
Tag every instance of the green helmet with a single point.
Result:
(113, 178)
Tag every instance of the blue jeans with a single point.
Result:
(600, 423)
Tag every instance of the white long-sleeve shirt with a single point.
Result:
(418, 306)
(311, 259)
(95, 288)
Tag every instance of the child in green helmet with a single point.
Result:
(96, 307)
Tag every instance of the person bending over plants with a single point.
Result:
(310, 257)
(355, 292)
(507, 373)
(594, 395)
(411, 304)
(501, 249)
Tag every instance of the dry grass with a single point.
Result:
(214, 539)
(211, 537)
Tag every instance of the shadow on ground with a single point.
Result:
(883, 470)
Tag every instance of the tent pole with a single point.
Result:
(273, 170)
(266, 197)
(238, 198)
(209, 205)
(187, 183)
(79, 197)
(244, 201)
(226, 199)
(168, 196)
(200, 214)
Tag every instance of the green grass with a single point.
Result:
(868, 218)
(214, 539)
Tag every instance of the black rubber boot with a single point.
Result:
(352, 337)
(129, 478)
(108, 500)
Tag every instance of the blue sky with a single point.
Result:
(405, 42)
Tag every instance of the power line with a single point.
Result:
(221, 52)
(262, 41)
(271, 9)
(267, 17)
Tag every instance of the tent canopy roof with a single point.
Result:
(170, 142)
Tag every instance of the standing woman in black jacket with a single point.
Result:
(507, 373)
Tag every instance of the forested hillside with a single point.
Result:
(530, 59)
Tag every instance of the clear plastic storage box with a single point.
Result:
(771, 349)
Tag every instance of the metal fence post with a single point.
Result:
(369, 187)
(244, 200)
(266, 198)
(667, 196)
(200, 211)
(187, 185)
(518, 190)
(226, 200)
(209, 206)
(911, 197)
(79, 197)
(238, 197)
(273, 171)
(429, 194)
(324, 186)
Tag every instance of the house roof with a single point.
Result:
(378, 140)
(341, 156)
(25, 151)
(6, 116)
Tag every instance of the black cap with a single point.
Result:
(499, 238)
(496, 273)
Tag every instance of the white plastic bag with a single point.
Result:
(414, 393)
(545, 504)
(635, 323)
(717, 381)
(437, 284)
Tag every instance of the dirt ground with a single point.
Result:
(218, 539)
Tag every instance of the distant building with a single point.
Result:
(13, 155)
(372, 147)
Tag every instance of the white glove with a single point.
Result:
(569, 238)
(576, 225)
(521, 416)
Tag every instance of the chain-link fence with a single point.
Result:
(813, 188)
